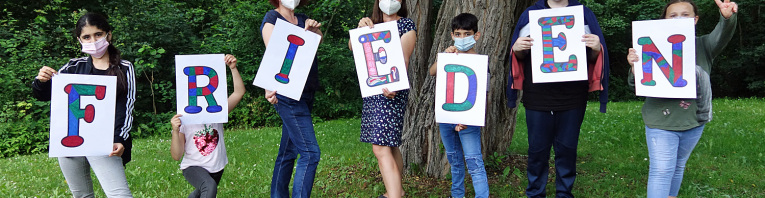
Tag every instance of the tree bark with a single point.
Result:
(422, 147)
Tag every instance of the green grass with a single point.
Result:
(728, 161)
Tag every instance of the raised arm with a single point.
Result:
(239, 89)
(178, 140)
(408, 40)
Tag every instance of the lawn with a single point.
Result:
(728, 161)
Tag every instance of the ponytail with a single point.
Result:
(115, 61)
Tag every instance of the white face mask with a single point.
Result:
(390, 7)
(96, 49)
(290, 4)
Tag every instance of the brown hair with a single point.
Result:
(377, 14)
(276, 3)
(695, 8)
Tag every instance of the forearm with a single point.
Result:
(239, 90)
(433, 70)
(176, 145)
(721, 35)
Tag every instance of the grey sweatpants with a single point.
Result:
(109, 170)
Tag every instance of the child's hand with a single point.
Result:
(727, 8)
(271, 97)
(117, 150)
(451, 49)
(389, 94)
(523, 43)
(176, 122)
(366, 22)
(312, 25)
(230, 61)
(45, 74)
(592, 41)
(460, 127)
(632, 57)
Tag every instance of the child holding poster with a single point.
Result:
(382, 117)
(674, 126)
(298, 135)
(95, 36)
(204, 156)
(555, 111)
(462, 142)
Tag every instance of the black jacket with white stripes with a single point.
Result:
(123, 120)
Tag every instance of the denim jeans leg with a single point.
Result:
(298, 127)
(283, 165)
(76, 171)
(688, 141)
(540, 138)
(662, 155)
(454, 154)
(471, 146)
(568, 124)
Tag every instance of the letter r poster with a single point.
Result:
(461, 86)
(200, 82)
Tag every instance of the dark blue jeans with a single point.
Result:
(559, 129)
(298, 137)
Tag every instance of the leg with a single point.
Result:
(76, 171)
(285, 159)
(471, 145)
(203, 182)
(688, 141)
(389, 170)
(454, 154)
(567, 125)
(400, 164)
(540, 141)
(303, 137)
(662, 154)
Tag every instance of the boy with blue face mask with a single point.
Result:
(462, 142)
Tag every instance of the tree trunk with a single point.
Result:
(422, 147)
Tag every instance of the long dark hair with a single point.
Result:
(377, 14)
(115, 59)
(695, 9)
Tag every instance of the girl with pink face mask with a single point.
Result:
(95, 34)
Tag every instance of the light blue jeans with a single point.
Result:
(464, 147)
(668, 152)
(109, 170)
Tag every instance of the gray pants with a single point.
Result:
(109, 170)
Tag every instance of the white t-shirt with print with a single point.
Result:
(204, 147)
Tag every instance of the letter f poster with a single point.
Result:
(461, 86)
(82, 111)
(379, 59)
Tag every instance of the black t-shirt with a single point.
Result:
(552, 96)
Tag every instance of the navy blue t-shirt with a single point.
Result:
(312, 83)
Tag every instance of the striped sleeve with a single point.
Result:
(130, 104)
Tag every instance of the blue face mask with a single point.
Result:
(464, 44)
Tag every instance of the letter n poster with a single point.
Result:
(558, 53)
(461, 83)
(667, 58)
(379, 59)
(288, 59)
(82, 115)
(200, 82)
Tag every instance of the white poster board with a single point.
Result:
(82, 115)
(379, 59)
(667, 51)
(201, 88)
(558, 53)
(288, 59)
(461, 86)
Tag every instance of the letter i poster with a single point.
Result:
(558, 53)
(379, 59)
(82, 115)
(287, 60)
(461, 86)
(200, 83)
(666, 67)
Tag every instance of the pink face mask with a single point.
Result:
(96, 49)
